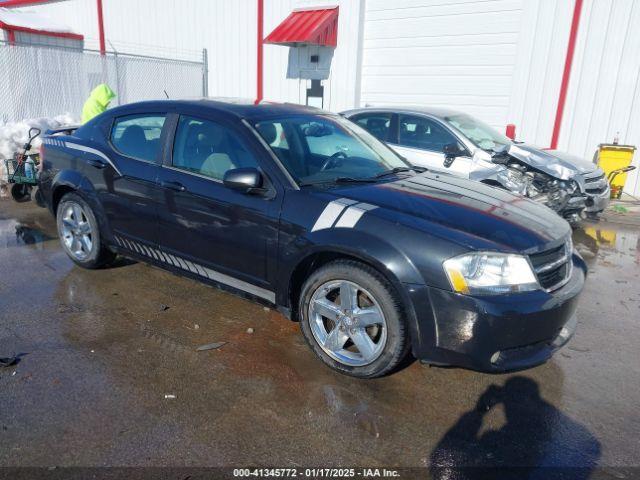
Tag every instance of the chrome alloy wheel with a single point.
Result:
(347, 322)
(77, 233)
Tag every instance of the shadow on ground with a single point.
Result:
(536, 439)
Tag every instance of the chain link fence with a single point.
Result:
(45, 81)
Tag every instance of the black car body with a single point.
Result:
(259, 229)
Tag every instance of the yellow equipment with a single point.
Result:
(616, 160)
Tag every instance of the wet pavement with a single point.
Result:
(109, 374)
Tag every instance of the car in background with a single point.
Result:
(305, 211)
(449, 141)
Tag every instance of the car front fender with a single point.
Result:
(306, 253)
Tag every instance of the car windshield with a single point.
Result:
(319, 149)
(482, 135)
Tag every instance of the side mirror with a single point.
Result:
(246, 180)
(451, 151)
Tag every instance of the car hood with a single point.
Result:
(561, 165)
(470, 213)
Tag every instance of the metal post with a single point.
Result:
(119, 91)
(260, 53)
(205, 73)
(103, 48)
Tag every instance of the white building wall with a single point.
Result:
(500, 60)
(541, 52)
(503, 60)
(442, 53)
(604, 94)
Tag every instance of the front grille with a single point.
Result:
(551, 278)
(553, 266)
(597, 178)
(596, 191)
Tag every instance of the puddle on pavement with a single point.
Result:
(14, 233)
(607, 247)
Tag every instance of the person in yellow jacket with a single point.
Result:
(97, 102)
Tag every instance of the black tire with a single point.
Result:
(99, 254)
(21, 193)
(39, 198)
(397, 343)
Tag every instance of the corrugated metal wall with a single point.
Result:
(444, 53)
(502, 60)
(604, 94)
(537, 75)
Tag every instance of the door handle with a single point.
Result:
(97, 163)
(177, 186)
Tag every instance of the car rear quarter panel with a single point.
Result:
(65, 170)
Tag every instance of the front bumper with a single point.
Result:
(597, 190)
(598, 202)
(495, 333)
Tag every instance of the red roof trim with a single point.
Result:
(309, 27)
(15, 28)
(23, 3)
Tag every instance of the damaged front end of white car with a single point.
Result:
(557, 186)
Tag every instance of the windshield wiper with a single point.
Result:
(354, 180)
(395, 170)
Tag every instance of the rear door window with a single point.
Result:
(376, 123)
(138, 136)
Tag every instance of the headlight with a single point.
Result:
(487, 273)
(570, 186)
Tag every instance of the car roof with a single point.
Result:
(241, 108)
(438, 112)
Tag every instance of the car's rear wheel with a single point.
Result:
(352, 319)
(79, 233)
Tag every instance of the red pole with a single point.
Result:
(566, 74)
(260, 35)
(103, 48)
(11, 37)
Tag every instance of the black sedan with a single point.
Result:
(306, 211)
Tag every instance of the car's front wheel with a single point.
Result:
(352, 319)
(79, 233)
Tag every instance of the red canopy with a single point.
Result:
(317, 26)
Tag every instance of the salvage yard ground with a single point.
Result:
(109, 374)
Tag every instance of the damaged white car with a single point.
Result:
(456, 143)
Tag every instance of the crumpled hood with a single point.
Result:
(561, 165)
(461, 210)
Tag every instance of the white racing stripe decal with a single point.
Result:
(346, 217)
(331, 213)
(82, 148)
(351, 216)
(53, 141)
(195, 268)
